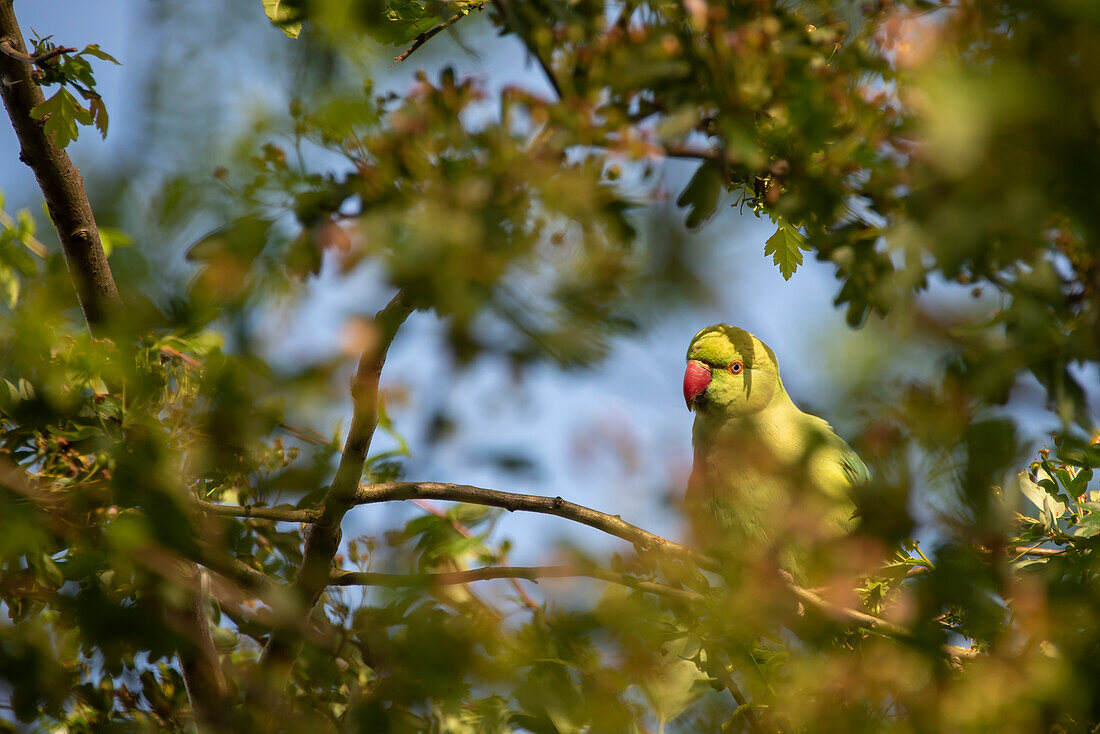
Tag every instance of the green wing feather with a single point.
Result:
(856, 471)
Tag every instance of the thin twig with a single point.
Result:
(1020, 550)
(680, 150)
(282, 513)
(867, 621)
(611, 524)
(845, 614)
(8, 50)
(743, 704)
(453, 564)
(323, 538)
(307, 434)
(529, 573)
(622, 23)
(185, 358)
(427, 35)
(544, 64)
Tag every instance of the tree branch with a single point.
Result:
(610, 524)
(529, 573)
(743, 705)
(434, 31)
(857, 618)
(512, 20)
(278, 514)
(846, 615)
(7, 49)
(203, 676)
(58, 179)
(693, 152)
(622, 23)
(1023, 550)
(323, 538)
(615, 525)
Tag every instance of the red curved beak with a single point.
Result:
(696, 379)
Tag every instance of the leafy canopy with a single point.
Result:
(932, 154)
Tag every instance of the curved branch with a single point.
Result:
(529, 573)
(615, 525)
(856, 618)
(323, 538)
(611, 524)
(400, 491)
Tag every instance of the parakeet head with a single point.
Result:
(729, 372)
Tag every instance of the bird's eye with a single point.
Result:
(736, 367)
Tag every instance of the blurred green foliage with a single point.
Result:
(906, 142)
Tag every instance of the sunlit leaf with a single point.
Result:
(786, 247)
(285, 16)
(61, 114)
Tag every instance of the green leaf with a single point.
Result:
(785, 247)
(99, 114)
(672, 686)
(61, 113)
(1089, 524)
(702, 194)
(284, 17)
(93, 49)
(402, 21)
(1050, 506)
(386, 425)
(1078, 453)
(19, 258)
(78, 69)
(241, 242)
(1079, 482)
(112, 239)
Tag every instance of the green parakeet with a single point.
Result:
(769, 482)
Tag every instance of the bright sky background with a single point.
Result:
(616, 438)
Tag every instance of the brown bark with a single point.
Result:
(323, 537)
(202, 672)
(59, 180)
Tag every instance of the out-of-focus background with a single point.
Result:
(196, 78)
(897, 196)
